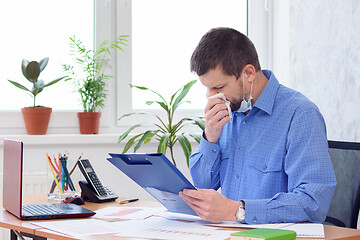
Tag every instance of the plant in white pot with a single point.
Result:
(89, 78)
(36, 117)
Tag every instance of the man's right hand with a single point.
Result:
(216, 116)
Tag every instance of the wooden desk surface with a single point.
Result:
(9, 221)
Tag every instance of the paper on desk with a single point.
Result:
(79, 228)
(313, 230)
(242, 225)
(161, 228)
(180, 216)
(128, 212)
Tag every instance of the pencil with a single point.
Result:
(52, 171)
(76, 163)
(53, 166)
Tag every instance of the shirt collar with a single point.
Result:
(266, 99)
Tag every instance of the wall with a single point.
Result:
(325, 61)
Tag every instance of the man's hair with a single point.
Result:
(224, 47)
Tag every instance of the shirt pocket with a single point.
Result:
(267, 175)
(267, 166)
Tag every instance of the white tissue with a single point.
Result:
(222, 96)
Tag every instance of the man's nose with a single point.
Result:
(211, 93)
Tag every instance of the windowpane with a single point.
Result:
(36, 29)
(164, 35)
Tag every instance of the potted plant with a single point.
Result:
(167, 132)
(89, 78)
(36, 118)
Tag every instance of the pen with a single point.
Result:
(128, 201)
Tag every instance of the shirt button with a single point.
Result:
(240, 148)
(214, 150)
(254, 220)
(236, 176)
(264, 167)
(244, 122)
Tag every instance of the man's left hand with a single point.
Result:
(210, 205)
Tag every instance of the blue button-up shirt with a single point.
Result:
(276, 159)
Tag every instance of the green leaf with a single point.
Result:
(148, 89)
(148, 139)
(197, 121)
(142, 139)
(125, 134)
(175, 128)
(183, 93)
(24, 64)
(173, 96)
(127, 115)
(195, 136)
(43, 62)
(186, 146)
(162, 104)
(130, 143)
(163, 143)
(53, 82)
(134, 113)
(32, 71)
(19, 86)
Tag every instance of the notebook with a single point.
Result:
(12, 190)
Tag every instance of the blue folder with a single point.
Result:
(158, 176)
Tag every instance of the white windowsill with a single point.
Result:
(55, 139)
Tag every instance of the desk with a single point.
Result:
(9, 221)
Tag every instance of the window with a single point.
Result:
(38, 29)
(151, 26)
(164, 35)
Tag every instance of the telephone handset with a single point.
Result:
(91, 188)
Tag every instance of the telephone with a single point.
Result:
(92, 189)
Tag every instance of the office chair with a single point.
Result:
(345, 204)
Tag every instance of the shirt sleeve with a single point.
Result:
(205, 165)
(311, 178)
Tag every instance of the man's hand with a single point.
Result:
(216, 116)
(210, 205)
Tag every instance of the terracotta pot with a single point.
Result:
(36, 119)
(89, 122)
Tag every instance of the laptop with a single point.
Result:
(12, 190)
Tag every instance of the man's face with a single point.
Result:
(216, 81)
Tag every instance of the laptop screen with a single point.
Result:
(12, 176)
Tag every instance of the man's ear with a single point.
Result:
(250, 73)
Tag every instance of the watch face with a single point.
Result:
(240, 214)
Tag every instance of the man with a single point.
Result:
(271, 158)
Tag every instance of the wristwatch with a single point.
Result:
(240, 213)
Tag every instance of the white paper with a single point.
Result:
(242, 225)
(127, 212)
(78, 228)
(222, 96)
(313, 230)
(180, 216)
(161, 228)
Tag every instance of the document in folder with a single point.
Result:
(158, 176)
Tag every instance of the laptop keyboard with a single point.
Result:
(41, 209)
